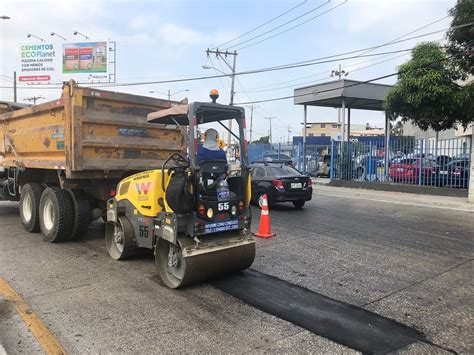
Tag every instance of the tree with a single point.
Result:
(397, 130)
(460, 40)
(262, 140)
(427, 91)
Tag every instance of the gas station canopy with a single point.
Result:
(355, 95)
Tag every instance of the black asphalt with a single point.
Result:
(343, 323)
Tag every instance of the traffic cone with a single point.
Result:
(264, 230)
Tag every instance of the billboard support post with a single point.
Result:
(15, 98)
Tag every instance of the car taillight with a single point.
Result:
(457, 171)
(241, 206)
(278, 184)
(112, 192)
(310, 182)
(202, 210)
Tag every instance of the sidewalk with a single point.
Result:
(401, 198)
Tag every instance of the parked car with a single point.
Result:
(454, 174)
(408, 170)
(281, 183)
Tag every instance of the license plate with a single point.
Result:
(443, 172)
(296, 185)
(221, 226)
(399, 170)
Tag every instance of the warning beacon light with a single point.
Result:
(214, 95)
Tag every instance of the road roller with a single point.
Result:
(194, 214)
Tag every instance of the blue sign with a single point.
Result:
(221, 226)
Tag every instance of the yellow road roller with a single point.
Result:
(193, 213)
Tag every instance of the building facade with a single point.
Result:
(333, 130)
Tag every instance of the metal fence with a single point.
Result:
(316, 155)
(424, 162)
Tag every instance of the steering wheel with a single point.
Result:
(179, 162)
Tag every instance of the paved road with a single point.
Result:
(408, 262)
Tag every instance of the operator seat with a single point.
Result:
(210, 173)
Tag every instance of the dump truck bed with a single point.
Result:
(89, 133)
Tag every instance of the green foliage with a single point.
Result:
(461, 40)
(427, 92)
(397, 130)
(262, 140)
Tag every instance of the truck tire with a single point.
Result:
(81, 214)
(29, 206)
(56, 215)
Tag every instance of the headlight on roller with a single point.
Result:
(210, 213)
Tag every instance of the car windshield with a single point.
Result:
(282, 170)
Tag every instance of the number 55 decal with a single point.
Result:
(223, 206)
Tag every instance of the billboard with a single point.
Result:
(49, 62)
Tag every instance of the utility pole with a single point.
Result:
(340, 73)
(34, 99)
(270, 119)
(223, 55)
(251, 107)
(289, 131)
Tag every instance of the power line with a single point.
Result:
(282, 25)
(262, 25)
(333, 89)
(292, 28)
(248, 72)
(316, 61)
(411, 32)
(325, 77)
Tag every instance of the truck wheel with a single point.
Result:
(29, 207)
(56, 214)
(81, 214)
(120, 239)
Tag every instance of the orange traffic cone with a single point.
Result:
(264, 227)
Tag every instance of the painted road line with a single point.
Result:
(40, 331)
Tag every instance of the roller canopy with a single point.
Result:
(204, 112)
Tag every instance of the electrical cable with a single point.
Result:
(292, 28)
(321, 60)
(262, 25)
(334, 89)
(283, 25)
(365, 52)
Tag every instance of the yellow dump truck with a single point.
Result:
(62, 159)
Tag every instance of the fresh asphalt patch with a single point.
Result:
(340, 322)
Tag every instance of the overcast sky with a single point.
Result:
(167, 39)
